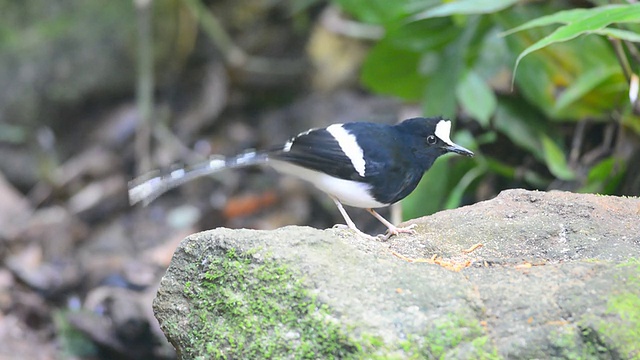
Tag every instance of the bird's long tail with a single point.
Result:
(147, 188)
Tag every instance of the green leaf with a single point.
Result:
(535, 179)
(439, 94)
(560, 17)
(443, 186)
(455, 195)
(476, 97)
(555, 159)
(440, 91)
(605, 176)
(584, 25)
(521, 124)
(423, 36)
(546, 75)
(464, 7)
(500, 168)
(495, 60)
(375, 12)
(381, 11)
(631, 122)
(584, 84)
(430, 194)
(392, 71)
(619, 34)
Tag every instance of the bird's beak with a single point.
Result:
(458, 150)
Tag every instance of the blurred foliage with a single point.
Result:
(54, 55)
(459, 58)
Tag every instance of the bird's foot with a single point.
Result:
(357, 231)
(394, 230)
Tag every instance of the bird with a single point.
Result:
(359, 164)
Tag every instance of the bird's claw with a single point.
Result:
(356, 230)
(398, 230)
(382, 237)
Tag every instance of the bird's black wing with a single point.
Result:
(392, 168)
(317, 150)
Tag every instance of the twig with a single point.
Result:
(144, 86)
(576, 143)
(331, 19)
(622, 58)
(233, 54)
(605, 147)
(633, 51)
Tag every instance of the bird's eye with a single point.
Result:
(431, 139)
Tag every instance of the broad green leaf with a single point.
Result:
(464, 138)
(585, 83)
(555, 159)
(476, 97)
(392, 71)
(440, 91)
(585, 25)
(439, 94)
(464, 7)
(495, 60)
(373, 12)
(423, 36)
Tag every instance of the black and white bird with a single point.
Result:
(359, 164)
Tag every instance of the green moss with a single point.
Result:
(458, 336)
(569, 343)
(624, 333)
(244, 308)
(618, 333)
(627, 307)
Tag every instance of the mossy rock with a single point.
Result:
(298, 293)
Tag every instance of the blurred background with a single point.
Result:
(93, 94)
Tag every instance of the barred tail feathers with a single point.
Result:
(149, 187)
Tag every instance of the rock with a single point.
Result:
(558, 276)
(15, 209)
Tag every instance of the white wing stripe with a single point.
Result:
(349, 146)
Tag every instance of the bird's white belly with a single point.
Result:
(351, 193)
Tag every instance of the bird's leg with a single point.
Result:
(392, 229)
(348, 220)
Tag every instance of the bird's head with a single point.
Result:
(432, 137)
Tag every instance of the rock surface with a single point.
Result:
(558, 276)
